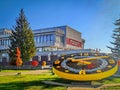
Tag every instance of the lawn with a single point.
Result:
(28, 82)
(111, 88)
(110, 80)
(14, 70)
(34, 82)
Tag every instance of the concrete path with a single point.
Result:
(87, 88)
(81, 88)
(71, 86)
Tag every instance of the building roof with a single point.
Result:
(56, 27)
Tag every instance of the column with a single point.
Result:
(7, 57)
(49, 57)
(0, 57)
(39, 58)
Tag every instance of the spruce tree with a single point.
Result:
(23, 38)
(116, 40)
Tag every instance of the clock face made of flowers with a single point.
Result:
(84, 67)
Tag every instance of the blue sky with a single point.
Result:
(93, 18)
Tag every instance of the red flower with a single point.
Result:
(34, 63)
(90, 66)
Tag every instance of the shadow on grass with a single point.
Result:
(61, 80)
(110, 80)
(38, 85)
(30, 85)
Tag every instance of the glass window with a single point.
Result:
(8, 42)
(0, 42)
(36, 39)
(48, 37)
(44, 38)
(0, 59)
(41, 38)
(51, 37)
(5, 42)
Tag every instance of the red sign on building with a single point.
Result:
(73, 42)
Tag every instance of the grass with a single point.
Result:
(14, 70)
(110, 80)
(111, 88)
(28, 82)
(34, 81)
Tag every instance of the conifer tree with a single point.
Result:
(116, 40)
(23, 38)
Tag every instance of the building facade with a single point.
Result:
(4, 44)
(47, 39)
(58, 38)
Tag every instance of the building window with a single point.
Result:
(8, 42)
(44, 38)
(47, 39)
(0, 59)
(51, 37)
(39, 40)
(35, 39)
(0, 42)
(5, 42)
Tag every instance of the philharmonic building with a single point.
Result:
(46, 40)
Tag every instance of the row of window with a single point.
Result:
(5, 42)
(44, 38)
(38, 39)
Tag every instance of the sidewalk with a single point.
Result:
(71, 86)
(82, 88)
(87, 88)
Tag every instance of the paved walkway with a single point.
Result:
(78, 87)
(81, 88)
(24, 72)
(87, 88)
(71, 86)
